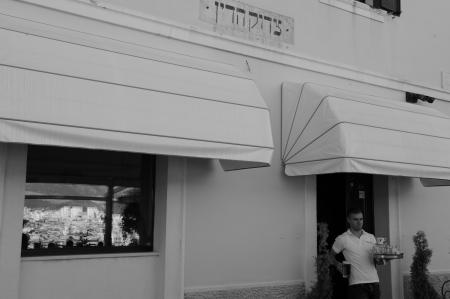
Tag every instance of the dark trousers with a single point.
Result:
(364, 291)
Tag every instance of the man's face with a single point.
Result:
(356, 221)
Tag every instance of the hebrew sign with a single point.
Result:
(242, 20)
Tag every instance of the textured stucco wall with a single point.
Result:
(263, 292)
(133, 277)
(436, 280)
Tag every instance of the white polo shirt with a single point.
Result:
(358, 252)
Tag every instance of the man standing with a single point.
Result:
(356, 246)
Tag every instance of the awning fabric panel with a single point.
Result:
(59, 93)
(343, 132)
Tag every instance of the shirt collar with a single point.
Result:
(350, 233)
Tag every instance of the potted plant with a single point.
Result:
(421, 287)
(322, 288)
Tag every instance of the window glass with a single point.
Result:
(84, 201)
(126, 218)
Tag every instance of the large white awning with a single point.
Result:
(132, 98)
(328, 130)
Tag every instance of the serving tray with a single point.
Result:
(388, 256)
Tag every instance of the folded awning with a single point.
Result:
(328, 130)
(132, 98)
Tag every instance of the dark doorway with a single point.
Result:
(336, 193)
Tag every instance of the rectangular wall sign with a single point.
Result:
(245, 21)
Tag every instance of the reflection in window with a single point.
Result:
(84, 201)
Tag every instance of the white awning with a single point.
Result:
(135, 99)
(328, 130)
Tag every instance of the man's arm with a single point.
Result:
(334, 261)
(338, 246)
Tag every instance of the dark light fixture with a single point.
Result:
(415, 97)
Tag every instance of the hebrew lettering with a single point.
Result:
(231, 17)
(269, 19)
(252, 14)
(232, 9)
(240, 11)
(277, 25)
(217, 9)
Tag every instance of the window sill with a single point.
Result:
(89, 256)
(358, 8)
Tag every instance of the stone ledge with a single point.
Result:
(291, 291)
(436, 279)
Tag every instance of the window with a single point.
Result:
(391, 6)
(87, 201)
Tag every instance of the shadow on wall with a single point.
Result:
(200, 169)
(405, 183)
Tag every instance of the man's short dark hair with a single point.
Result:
(354, 210)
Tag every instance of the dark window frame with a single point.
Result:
(391, 6)
(147, 208)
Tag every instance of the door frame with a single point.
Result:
(386, 215)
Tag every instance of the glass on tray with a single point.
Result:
(385, 251)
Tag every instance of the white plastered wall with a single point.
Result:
(12, 190)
